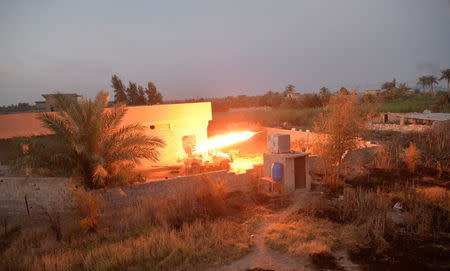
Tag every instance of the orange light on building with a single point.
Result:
(222, 141)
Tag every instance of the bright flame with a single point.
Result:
(241, 164)
(222, 141)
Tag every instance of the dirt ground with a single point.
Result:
(263, 258)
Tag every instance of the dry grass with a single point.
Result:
(302, 236)
(88, 208)
(185, 233)
(432, 148)
(193, 245)
(411, 156)
(362, 222)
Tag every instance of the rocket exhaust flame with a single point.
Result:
(222, 141)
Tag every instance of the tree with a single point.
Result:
(289, 89)
(343, 91)
(119, 90)
(396, 92)
(153, 96)
(135, 94)
(445, 75)
(431, 81)
(428, 81)
(142, 100)
(132, 93)
(404, 87)
(325, 94)
(423, 81)
(386, 86)
(342, 123)
(89, 139)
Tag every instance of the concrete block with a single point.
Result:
(278, 143)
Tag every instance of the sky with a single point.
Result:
(218, 48)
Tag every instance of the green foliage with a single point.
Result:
(154, 97)
(389, 85)
(445, 75)
(274, 117)
(42, 154)
(135, 94)
(410, 103)
(20, 107)
(89, 140)
(441, 104)
(427, 81)
(313, 100)
(119, 90)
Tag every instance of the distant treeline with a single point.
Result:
(20, 107)
(287, 99)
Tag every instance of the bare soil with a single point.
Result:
(263, 258)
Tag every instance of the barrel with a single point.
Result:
(277, 172)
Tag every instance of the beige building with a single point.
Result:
(372, 91)
(50, 100)
(169, 122)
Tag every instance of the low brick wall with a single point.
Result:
(303, 141)
(54, 194)
(300, 140)
(398, 127)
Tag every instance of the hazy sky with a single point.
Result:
(218, 48)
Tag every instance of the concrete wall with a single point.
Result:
(169, 122)
(54, 194)
(302, 141)
(289, 169)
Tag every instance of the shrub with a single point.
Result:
(88, 208)
(428, 211)
(382, 157)
(207, 202)
(411, 156)
(342, 123)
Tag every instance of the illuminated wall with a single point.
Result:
(169, 122)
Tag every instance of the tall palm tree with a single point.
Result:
(89, 137)
(431, 81)
(445, 75)
(423, 81)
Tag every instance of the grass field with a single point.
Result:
(294, 117)
(417, 103)
(408, 105)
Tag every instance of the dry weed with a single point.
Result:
(411, 156)
(88, 208)
(303, 237)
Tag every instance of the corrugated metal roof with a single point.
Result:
(431, 116)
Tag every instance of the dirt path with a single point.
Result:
(265, 258)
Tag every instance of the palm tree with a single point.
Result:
(289, 89)
(423, 81)
(431, 81)
(89, 138)
(445, 75)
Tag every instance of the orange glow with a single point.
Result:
(241, 164)
(222, 141)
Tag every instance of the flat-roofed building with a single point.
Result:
(50, 100)
(169, 122)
